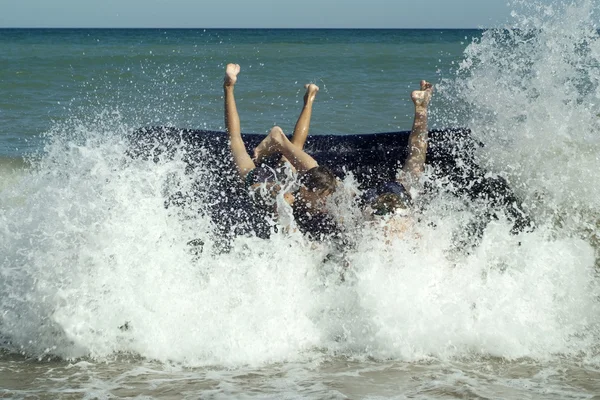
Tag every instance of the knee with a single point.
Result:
(276, 132)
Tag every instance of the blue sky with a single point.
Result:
(254, 13)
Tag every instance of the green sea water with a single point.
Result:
(101, 298)
(174, 77)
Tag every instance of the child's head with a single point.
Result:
(388, 198)
(316, 185)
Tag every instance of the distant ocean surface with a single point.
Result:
(174, 77)
(102, 297)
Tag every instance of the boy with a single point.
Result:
(316, 182)
(395, 197)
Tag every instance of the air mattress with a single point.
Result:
(371, 158)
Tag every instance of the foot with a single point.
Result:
(311, 92)
(231, 73)
(422, 97)
(269, 145)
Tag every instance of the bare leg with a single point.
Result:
(276, 141)
(417, 141)
(242, 159)
(300, 130)
(303, 124)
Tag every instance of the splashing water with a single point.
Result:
(94, 263)
(532, 94)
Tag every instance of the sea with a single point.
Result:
(101, 296)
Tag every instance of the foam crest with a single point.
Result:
(531, 94)
(422, 295)
(96, 264)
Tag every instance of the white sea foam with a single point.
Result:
(533, 95)
(93, 263)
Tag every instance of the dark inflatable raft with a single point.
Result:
(372, 158)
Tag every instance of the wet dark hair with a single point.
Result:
(386, 198)
(319, 179)
(387, 203)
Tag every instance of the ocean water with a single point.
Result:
(101, 297)
(174, 77)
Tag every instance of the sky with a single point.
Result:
(254, 13)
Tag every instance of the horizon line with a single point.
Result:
(231, 28)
